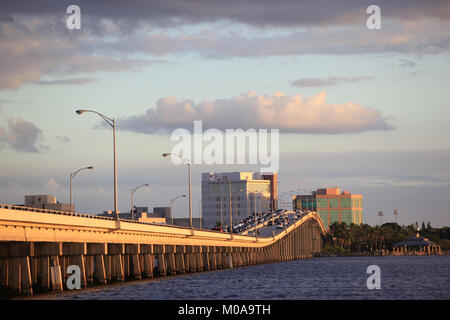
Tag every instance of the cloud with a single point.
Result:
(21, 135)
(323, 82)
(251, 12)
(62, 139)
(31, 48)
(290, 114)
(51, 184)
(35, 44)
(76, 81)
(405, 63)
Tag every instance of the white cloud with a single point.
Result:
(290, 114)
(62, 139)
(51, 185)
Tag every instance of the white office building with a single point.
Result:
(235, 194)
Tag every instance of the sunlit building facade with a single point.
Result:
(332, 205)
(239, 194)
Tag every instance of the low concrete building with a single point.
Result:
(46, 201)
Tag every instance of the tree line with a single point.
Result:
(343, 238)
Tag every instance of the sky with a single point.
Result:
(363, 109)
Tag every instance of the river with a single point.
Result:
(402, 277)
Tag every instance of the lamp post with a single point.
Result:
(73, 174)
(112, 123)
(231, 210)
(171, 204)
(189, 177)
(132, 198)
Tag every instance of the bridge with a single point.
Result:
(38, 245)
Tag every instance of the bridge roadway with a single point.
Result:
(37, 246)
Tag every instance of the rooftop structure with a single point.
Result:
(46, 201)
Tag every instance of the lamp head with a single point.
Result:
(80, 111)
(165, 154)
(184, 196)
(90, 167)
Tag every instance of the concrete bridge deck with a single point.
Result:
(37, 246)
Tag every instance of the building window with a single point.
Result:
(334, 203)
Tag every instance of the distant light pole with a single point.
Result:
(200, 212)
(171, 204)
(188, 163)
(112, 123)
(231, 209)
(132, 197)
(73, 174)
(396, 214)
(381, 214)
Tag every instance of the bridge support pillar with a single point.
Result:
(4, 270)
(179, 260)
(225, 264)
(219, 262)
(107, 262)
(229, 256)
(198, 258)
(149, 265)
(234, 256)
(100, 273)
(170, 255)
(89, 261)
(186, 258)
(192, 258)
(212, 258)
(205, 254)
(159, 250)
(118, 268)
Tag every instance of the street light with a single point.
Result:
(73, 174)
(171, 204)
(112, 123)
(132, 198)
(189, 177)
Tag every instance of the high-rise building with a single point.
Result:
(332, 205)
(239, 194)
